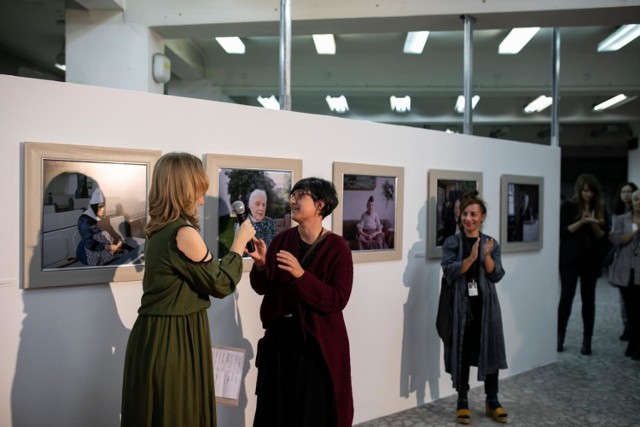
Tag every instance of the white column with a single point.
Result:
(103, 49)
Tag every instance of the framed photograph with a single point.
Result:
(262, 184)
(84, 213)
(446, 188)
(369, 216)
(521, 207)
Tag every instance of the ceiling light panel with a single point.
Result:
(516, 40)
(232, 45)
(415, 41)
(325, 44)
(270, 103)
(538, 104)
(619, 38)
(400, 104)
(460, 103)
(614, 102)
(338, 104)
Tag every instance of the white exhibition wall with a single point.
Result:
(62, 348)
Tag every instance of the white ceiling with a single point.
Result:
(369, 67)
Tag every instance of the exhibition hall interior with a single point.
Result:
(95, 91)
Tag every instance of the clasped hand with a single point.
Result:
(486, 248)
(590, 218)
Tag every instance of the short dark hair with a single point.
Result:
(319, 189)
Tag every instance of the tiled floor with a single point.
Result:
(598, 390)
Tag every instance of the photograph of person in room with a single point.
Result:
(522, 213)
(93, 215)
(373, 229)
(305, 277)
(266, 227)
(97, 246)
(450, 192)
(449, 214)
(265, 196)
(370, 235)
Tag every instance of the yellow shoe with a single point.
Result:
(498, 415)
(463, 416)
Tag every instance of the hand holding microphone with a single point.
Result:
(238, 209)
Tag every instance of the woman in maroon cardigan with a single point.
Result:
(304, 368)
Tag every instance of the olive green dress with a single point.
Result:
(168, 371)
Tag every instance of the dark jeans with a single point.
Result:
(569, 276)
(631, 297)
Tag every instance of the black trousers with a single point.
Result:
(631, 297)
(471, 352)
(569, 276)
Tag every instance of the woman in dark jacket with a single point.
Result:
(471, 262)
(583, 225)
(304, 368)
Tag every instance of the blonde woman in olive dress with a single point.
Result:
(168, 371)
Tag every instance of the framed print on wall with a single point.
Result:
(369, 215)
(263, 184)
(77, 200)
(446, 188)
(521, 208)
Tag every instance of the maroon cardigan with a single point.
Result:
(320, 294)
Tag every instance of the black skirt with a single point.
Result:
(294, 387)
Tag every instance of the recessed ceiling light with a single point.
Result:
(400, 104)
(325, 44)
(231, 45)
(538, 104)
(619, 38)
(516, 40)
(415, 41)
(337, 104)
(270, 103)
(460, 103)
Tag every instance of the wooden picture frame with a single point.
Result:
(521, 213)
(59, 180)
(249, 173)
(387, 191)
(445, 190)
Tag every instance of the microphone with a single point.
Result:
(238, 209)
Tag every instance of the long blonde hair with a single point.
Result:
(178, 181)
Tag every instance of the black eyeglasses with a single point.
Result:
(298, 194)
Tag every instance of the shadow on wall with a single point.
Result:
(420, 362)
(226, 329)
(70, 359)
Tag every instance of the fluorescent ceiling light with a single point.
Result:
(619, 38)
(516, 40)
(270, 103)
(538, 104)
(460, 103)
(400, 104)
(616, 101)
(325, 44)
(338, 104)
(415, 41)
(231, 45)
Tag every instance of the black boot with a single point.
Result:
(586, 346)
(560, 346)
